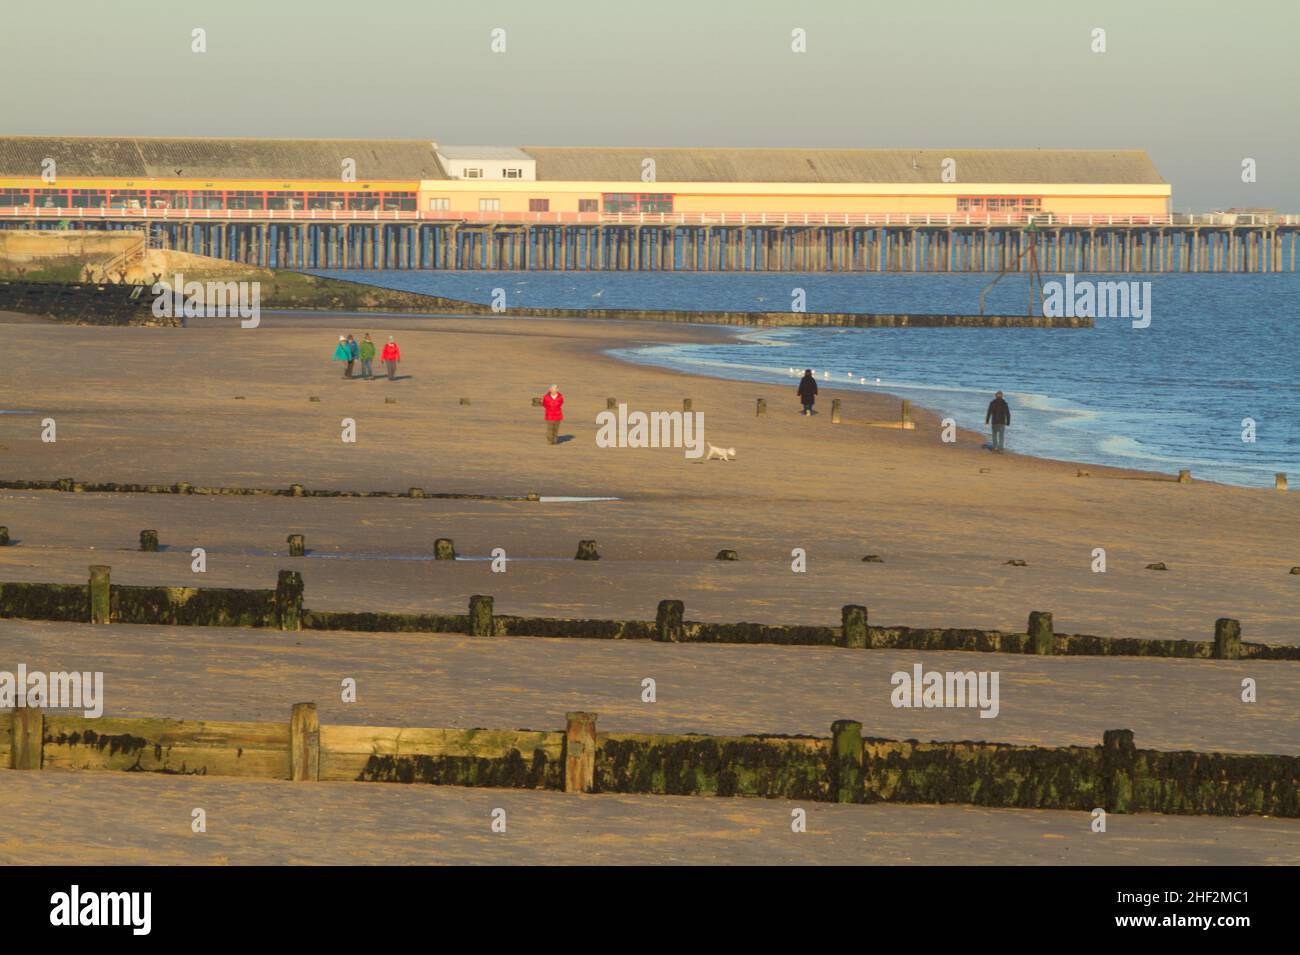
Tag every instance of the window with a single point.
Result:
(588, 205)
(472, 173)
(539, 205)
(82, 198)
(284, 200)
(638, 202)
(168, 199)
(325, 200)
(999, 204)
(512, 173)
(489, 205)
(128, 199)
(41, 198)
(245, 200)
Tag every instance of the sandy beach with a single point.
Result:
(218, 405)
(231, 406)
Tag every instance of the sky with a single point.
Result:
(1202, 85)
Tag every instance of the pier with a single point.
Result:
(695, 242)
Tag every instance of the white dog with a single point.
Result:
(722, 454)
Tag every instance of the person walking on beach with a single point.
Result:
(999, 415)
(807, 391)
(353, 352)
(553, 402)
(391, 355)
(343, 353)
(367, 357)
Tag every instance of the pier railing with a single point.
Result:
(662, 218)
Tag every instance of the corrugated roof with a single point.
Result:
(482, 152)
(1101, 166)
(131, 158)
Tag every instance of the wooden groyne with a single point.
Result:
(107, 304)
(282, 608)
(846, 767)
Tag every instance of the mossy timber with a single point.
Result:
(72, 486)
(109, 304)
(283, 608)
(845, 768)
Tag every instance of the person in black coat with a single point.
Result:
(807, 391)
(999, 415)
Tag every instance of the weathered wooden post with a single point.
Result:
(149, 541)
(853, 621)
(669, 626)
(611, 403)
(4, 536)
(835, 411)
(1279, 481)
(1185, 476)
(27, 738)
(1118, 763)
(846, 761)
(580, 752)
(100, 604)
(760, 410)
(288, 600)
(444, 548)
(304, 743)
(905, 412)
(480, 616)
(297, 545)
(1227, 639)
(1042, 638)
(688, 405)
(586, 551)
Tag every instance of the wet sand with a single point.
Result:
(127, 819)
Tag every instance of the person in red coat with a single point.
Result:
(553, 402)
(391, 355)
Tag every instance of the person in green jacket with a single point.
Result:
(367, 356)
(342, 352)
